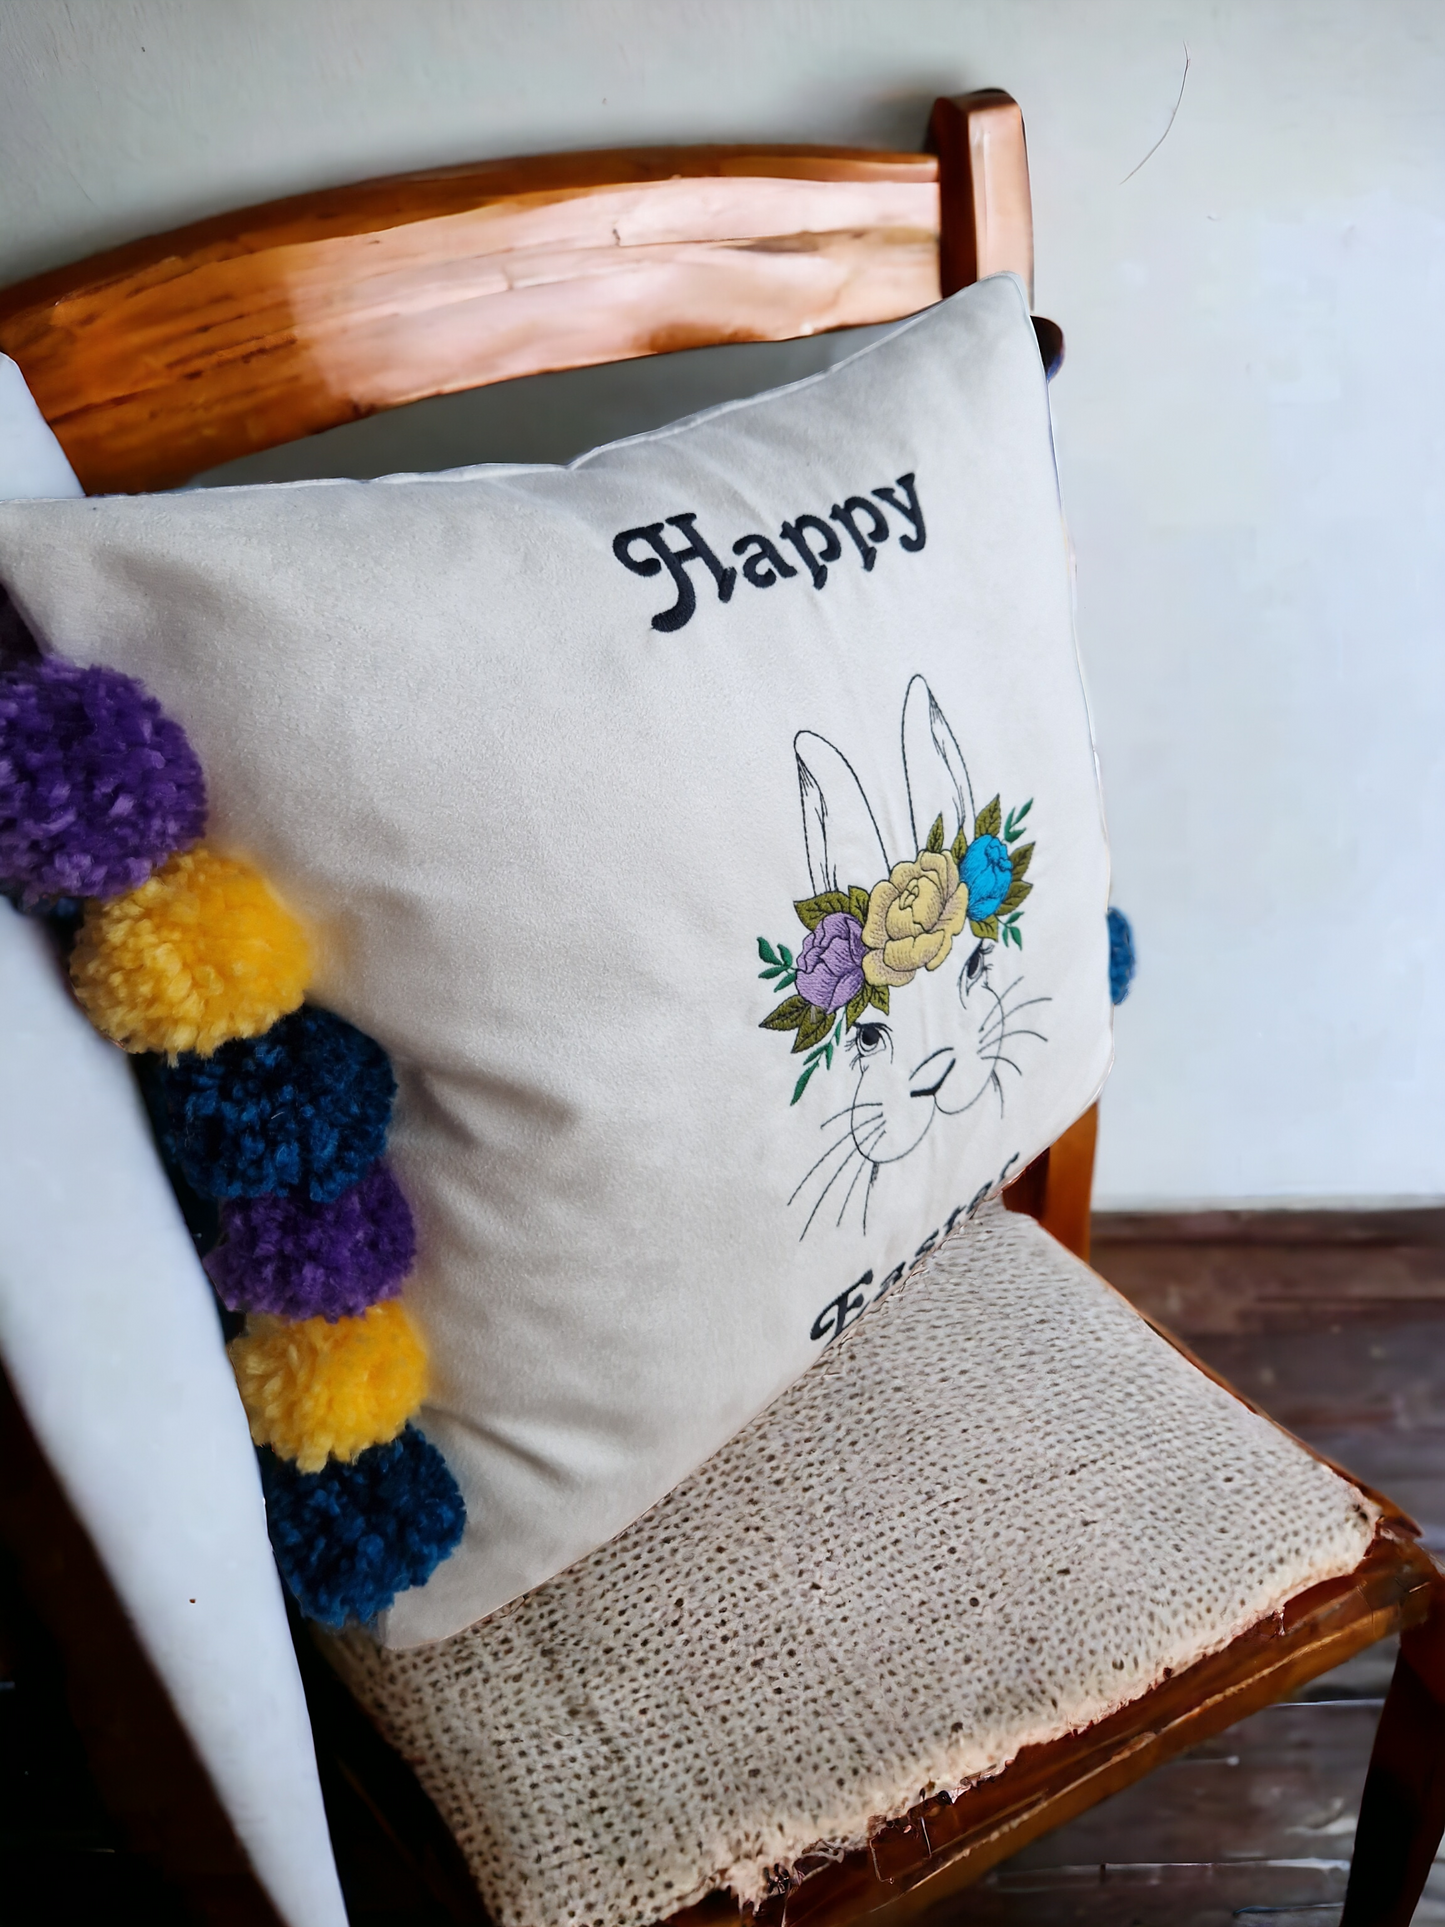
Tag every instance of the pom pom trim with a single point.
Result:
(279, 1108)
(201, 953)
(97, 785)
(299, 1259)
(350, 1537)
(317, 1390)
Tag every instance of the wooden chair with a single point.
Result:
(168, 356)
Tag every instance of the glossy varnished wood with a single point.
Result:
(1058, 1186)
(173, 354)
(988, 221)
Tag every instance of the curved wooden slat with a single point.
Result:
(188, 349)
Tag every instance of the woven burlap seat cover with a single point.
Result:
(999, 1508)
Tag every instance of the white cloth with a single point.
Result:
(539, 837)
(32, 462)
(110, 1337)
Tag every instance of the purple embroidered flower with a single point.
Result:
(97, 786)
(987, 869)
(830, 963)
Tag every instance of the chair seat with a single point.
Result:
(1000, 1508)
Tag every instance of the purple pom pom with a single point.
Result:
(304, 1260)
(97, 786)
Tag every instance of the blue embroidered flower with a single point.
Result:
(987, 869)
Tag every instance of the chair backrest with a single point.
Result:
(176, 353)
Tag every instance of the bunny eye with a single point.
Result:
(977, 963)
(870, 1038)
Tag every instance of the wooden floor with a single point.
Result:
(1335, 1322)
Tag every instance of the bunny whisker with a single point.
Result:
(868, 1194)
(863, 1164)
(1024, 1003)
(848, 1110)
(837, 1145)
(1020, 1032)
(1014, 1009)
(998, 1058)
(826, 1189)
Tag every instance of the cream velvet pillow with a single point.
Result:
(708, 830)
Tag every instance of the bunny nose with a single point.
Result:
(928, 1079)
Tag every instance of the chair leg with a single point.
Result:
(1402, 1813)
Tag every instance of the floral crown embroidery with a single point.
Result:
(862, 944)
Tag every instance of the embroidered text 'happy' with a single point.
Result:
(815, 542)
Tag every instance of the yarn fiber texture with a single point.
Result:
(1121, 956)
(303, 1110)
(202, 952)
(304, 1260)
(318, 1390)
(97, 784)
(350, 1537)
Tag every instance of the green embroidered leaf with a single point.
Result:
(802, 1083)
(788, 1015)
(1017, 934)
(987, 928)
(856, 1007)
(1022, 859)
(1017, 893)
(878, 997)
(814, 1055)
(785, 954)
(960, 845)
(935, 835)
(813, 1028)
(812, 910)
(838, 1033)
(858, 903)
(828, 1053)
(1015, 818)
(989, 820)
(766, 951)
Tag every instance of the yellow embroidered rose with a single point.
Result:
(913, 917)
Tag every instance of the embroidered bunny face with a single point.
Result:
(913, 983)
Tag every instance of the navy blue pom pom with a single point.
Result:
(349, 1538)
(1121, 956)
(302, 1111)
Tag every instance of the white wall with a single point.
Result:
(1249, 428)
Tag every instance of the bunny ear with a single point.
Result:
(933, 767)
(844, 846)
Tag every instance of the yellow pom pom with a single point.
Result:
(315, 1391)
(200, 953)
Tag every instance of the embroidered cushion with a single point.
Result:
(708, 831)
